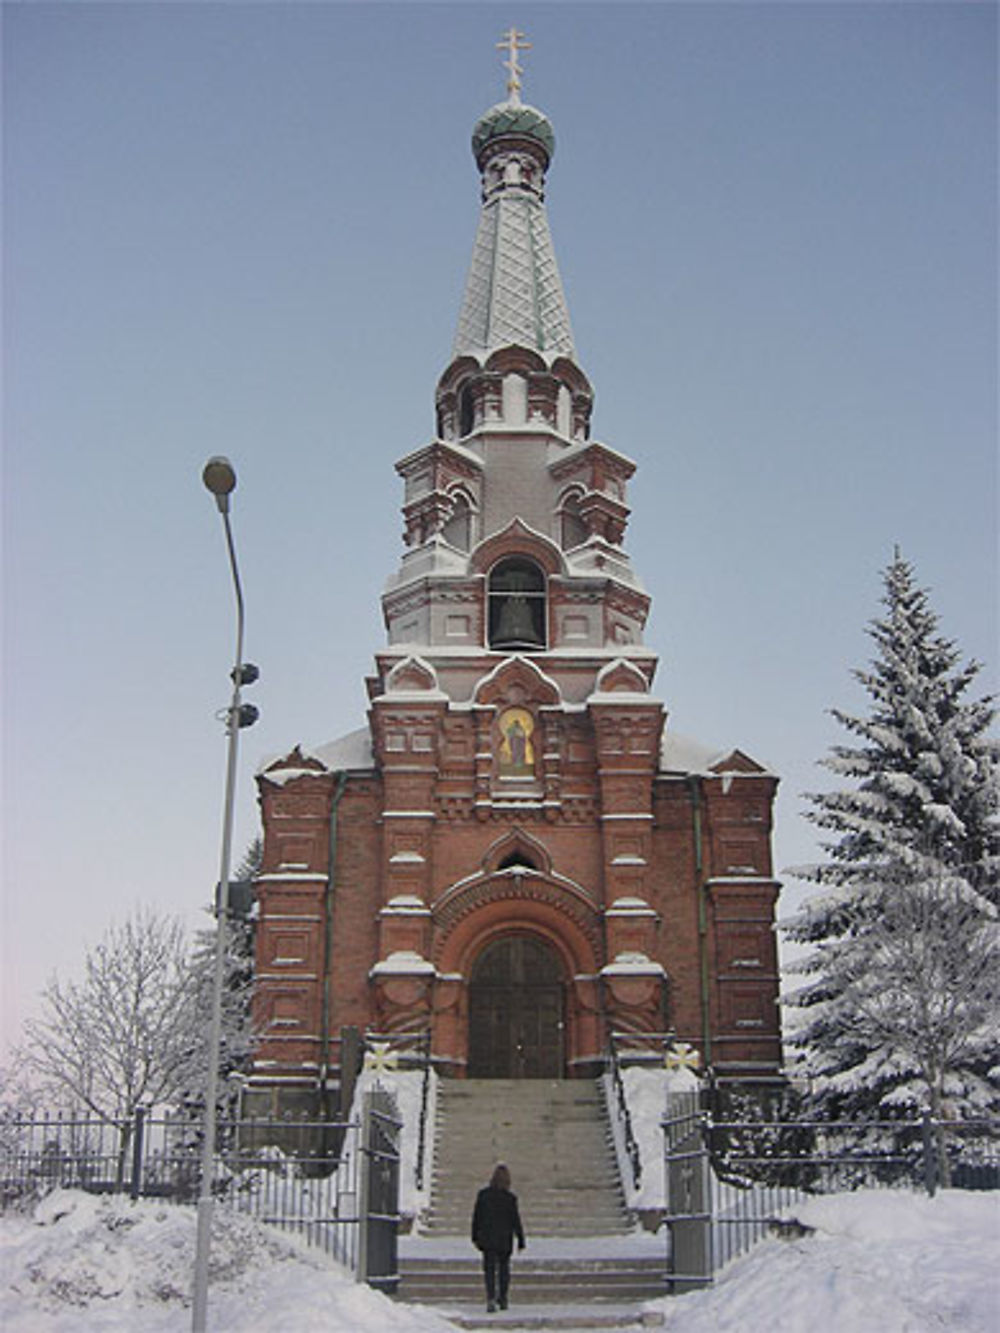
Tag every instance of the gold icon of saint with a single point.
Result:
(516, 749)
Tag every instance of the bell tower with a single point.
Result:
(516, 855)
(514, 518)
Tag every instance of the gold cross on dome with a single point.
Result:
(513, 42)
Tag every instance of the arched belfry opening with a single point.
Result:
(516, 1010)
(517, 603)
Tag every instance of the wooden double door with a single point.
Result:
(516, 1002)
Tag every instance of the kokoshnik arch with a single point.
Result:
(516, 854)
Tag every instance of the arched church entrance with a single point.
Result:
(516, 1010)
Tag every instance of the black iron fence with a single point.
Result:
(378, 1258)
(731, 1182)
(335, 1184)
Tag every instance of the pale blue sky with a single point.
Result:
(244, 229)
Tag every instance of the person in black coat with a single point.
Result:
(495, 1223)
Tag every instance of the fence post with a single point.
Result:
(379, 1212)
(930, 1165)
(137, 1149)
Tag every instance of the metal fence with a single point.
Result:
(732, 1182)
(335, 1184)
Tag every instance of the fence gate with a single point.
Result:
(689, 1205)
(380, 1127)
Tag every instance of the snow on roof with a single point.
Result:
(351, 751)
(681, 754)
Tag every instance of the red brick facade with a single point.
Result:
(666, 874)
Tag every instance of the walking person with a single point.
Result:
(495, 1223)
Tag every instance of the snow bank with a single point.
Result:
(103, 1264)
(878, 1262)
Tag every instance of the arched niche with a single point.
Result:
(517, 849)
(570, 523)
(459, 528)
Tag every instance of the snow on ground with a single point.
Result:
(85, 1263)
(878, 1262)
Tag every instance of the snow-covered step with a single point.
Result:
(442, 1281)
(554, 1137)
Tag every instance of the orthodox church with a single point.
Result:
(516, 855)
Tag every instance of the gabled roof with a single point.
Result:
(680, 754)
(353, 751)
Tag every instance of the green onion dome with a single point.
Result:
(513, 118)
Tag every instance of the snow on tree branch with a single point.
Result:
(900, 1001)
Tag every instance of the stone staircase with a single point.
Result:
(555, 1138)
(575, 1282)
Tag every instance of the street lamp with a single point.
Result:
(220, 478)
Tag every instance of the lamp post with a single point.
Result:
(220, 478)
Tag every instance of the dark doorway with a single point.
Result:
(516, 1011)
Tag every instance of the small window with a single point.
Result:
(517, 605)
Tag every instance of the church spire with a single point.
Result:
(513, 295)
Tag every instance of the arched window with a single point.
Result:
(572, 529)
(458, 529)
(517, 605)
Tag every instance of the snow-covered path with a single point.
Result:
(878, 1262)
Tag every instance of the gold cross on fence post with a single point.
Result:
(513, 42)
(682, 1055)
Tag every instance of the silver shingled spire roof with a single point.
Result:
(513, 294)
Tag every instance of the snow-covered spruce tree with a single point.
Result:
(899, 1010)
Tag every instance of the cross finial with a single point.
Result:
(513, 42)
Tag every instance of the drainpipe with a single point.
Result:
(324, 1066)
(694, 790)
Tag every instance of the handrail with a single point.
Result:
(631, 1145)
(424, 1098)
